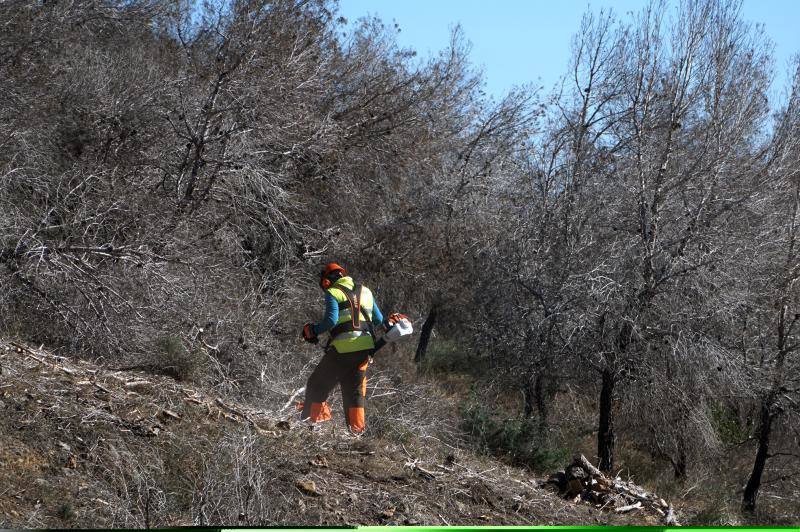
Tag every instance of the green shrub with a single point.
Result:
(448, 356)
(728, 425)
(173, 359)
(522, 440)
(66, 512)
(714, 511)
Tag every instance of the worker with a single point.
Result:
(351, 316)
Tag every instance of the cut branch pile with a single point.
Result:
(581, 481)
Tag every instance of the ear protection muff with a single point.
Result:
(324, 282)
(324, 276)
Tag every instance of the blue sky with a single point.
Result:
(528, 41)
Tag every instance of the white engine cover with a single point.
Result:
(399, 330)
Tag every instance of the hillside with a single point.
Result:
(606, 267)
(86, 446)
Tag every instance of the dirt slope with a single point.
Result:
(81, 446)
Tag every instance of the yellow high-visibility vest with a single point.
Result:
(355, 340)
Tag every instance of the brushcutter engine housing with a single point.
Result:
(401, 329)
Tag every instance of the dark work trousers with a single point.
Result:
(349, 370)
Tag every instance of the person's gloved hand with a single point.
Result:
(394, 318)
(308, 334)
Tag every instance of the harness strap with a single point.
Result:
(348, 327)
(353, 300)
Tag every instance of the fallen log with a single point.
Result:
(587, 465)
(628, 508)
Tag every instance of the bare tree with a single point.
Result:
(770, 334)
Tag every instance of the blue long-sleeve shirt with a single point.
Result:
(332, 315)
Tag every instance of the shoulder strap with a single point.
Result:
(353, 298)
(346, 292)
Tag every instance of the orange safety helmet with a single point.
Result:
(324, 281)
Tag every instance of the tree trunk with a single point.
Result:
(425, 334)
(679, 460)
(679, 464)
(762, 454)
(541, 400)
(605, 432)
(530, 401)
(535, 399)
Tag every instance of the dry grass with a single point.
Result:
(84, 446)
(88, 447)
